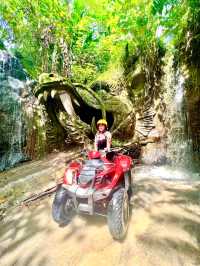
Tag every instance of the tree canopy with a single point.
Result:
(82, 39)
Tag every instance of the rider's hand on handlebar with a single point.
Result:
(106, 150)
(83, 152)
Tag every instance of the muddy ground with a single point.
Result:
(164, 230)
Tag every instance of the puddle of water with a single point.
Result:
(164, 172)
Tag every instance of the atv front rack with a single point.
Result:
(84, 199)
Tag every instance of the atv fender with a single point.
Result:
(127, 179)
(60, 195)
(60, 213)
(128, 182)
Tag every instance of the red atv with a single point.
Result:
(100, 184)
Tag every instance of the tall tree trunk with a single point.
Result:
(66, 58)
(45, 60)
(54, 60)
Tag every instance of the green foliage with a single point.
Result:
(37, 27)
(84, 74)
(96, 34)
(2, 46)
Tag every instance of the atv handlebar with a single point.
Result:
(104, 153)
(123, 150)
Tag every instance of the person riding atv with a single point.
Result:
(101, 184)
(103, 138)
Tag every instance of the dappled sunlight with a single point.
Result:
(164, 222)
(20, 229)
(173, 229)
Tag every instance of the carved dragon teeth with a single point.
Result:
(67, 103)
(53, 93)
(40, 97)
(118, 106)
(45, 95)
(76, 102)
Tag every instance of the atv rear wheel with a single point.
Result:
(63, 208)
(118, 214)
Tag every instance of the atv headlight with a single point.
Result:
(69, 175)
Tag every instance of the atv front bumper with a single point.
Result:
(86, 199)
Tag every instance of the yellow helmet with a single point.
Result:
(103, 122)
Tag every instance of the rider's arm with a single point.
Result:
(95, 143)
(108, 140)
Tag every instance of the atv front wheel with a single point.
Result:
(118, 214)
(63, 207)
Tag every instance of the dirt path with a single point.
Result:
(164, 230)
(32, 177)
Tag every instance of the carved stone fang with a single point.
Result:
(53, 93)
(40, 97)
(67, 103)
(45, 94)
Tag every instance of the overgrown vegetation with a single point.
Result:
(82, 39)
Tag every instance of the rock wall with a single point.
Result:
(193, 114)
(21, 118)
(175, 134)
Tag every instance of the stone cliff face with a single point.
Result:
(193, 114)
(18, 114)
(189, 60)
(171, 134)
